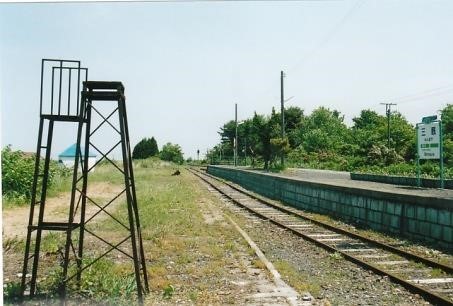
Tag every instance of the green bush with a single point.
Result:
(429, 169)
(172, 152)
(147, 147)
(320, 160)
(18, 171)
(17, 174)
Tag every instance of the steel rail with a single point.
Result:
(429, 295)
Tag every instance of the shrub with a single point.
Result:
(172, 152)
(18, 171)
(428, 169)
(380, 154)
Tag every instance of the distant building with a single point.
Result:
(67, 157)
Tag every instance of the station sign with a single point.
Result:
(428, 140)
(429, 119)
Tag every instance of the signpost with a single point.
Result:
(429, 144)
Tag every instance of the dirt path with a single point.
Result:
(15, 220)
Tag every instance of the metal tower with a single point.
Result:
(61, 102)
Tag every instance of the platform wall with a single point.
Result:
(414, 217)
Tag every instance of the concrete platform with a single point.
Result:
(343, 180)
(420, 214)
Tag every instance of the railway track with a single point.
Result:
(423, 276)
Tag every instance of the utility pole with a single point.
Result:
(388, 112)
(245, 150)
(282, 104)
(198, 154)
(236, 134)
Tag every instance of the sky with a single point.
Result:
(185, 64)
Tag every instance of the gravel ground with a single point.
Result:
(331, 280)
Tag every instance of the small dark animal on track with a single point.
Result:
(177, 172)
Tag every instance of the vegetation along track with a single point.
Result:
(430, 279)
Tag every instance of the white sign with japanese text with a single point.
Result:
(429, 140)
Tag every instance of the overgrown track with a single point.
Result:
(430, 279)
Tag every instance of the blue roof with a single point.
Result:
(71, 152)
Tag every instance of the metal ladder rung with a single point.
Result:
(55, 226)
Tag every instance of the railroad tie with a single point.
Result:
(432, 280)
(393, 262)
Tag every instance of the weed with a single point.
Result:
(193, 296)
(250, 251)
(437, 273)
(11, 291)
(168, 292)
(51, 285)
(419, 265)
(258, 263)
(336, 256)
(184, 258)
(52, 243)
(296, 279)
(230, 246)
(13, 244)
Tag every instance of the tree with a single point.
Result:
(370, 133)
(324, 131)
(367, 131)
(227, 134)
(172, 152)
(294, 122)
(262, 131)
(279, 146)
(447, 124)
(323, 140)
(145, 148)
(447, 120)
(368, 119)
(154, 147)
(246, 139)
(402, 136)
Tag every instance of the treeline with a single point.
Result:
(322, 140)
(147, 147)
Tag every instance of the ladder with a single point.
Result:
(64, 74)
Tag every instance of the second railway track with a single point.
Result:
(423, 276)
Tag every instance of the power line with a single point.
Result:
(330, 35)
(424, 96)
(325, 40)
(428, 93)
